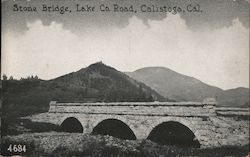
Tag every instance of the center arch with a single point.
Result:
(72, 125)
(173, 133)
(115, 128)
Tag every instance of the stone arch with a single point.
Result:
(124, 119)
(71, 124)
(114, 127)
(180, 122)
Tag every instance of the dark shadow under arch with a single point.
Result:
(116, 128)
(72, 125)
(173, 133)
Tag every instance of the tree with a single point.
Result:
(5, 77)
(11, 78)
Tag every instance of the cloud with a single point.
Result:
(218, 57)
(216, 14)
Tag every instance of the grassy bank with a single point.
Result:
(65, 144)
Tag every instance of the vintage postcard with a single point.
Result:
(125, 78)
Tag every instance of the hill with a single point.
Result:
(101, 83)
(185, 88)
(96, 83)
(238, 97)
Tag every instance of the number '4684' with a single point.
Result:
(17, 148)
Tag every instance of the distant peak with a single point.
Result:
(100, 62)
(97, 63)
(93, 66)
(155, 69)
(99, 66)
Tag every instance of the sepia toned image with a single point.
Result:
(112, 78)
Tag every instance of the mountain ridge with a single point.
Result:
(101, 71)
(186, 88)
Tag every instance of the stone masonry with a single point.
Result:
(141, 117)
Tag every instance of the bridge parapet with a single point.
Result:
(182, 109)
(232, 111)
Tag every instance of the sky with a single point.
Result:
(212, 46)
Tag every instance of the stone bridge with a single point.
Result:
(192, 123)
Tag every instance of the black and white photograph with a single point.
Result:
(125, 78)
